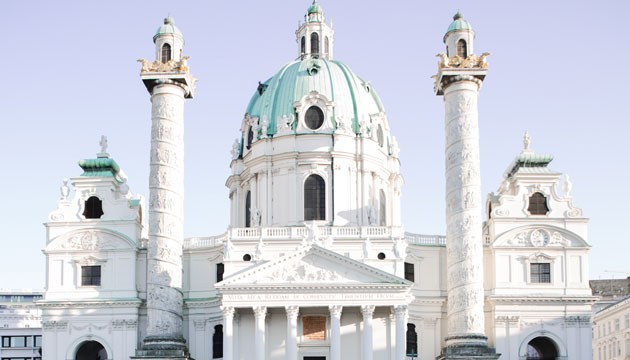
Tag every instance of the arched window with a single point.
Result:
(542, 348)
(248, 205)
(91, 350)
(462, 49)
(382, 210)
(326, 47)
(538, 204)
(303, 46)
(314, 118)
(166, 53)
(314, 44)
(93, 208)
(217, 342)
(314, 198)
(250, 138)
(412, 341)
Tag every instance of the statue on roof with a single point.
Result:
(103, 144)
(567, 186)
(526, 141)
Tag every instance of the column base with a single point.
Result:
(163, 348)
(472, 349)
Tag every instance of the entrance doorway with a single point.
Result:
(542, 348)
(314, 358)
(91, 350)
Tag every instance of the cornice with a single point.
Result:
(528, 299)
(83, 304)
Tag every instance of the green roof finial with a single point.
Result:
(458, 15)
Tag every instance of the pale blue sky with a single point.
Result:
(558, 69)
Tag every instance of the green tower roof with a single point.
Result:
(459, 23)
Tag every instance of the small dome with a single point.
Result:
(459, 23)
(354, 98)
(314, 8)
(168, 28)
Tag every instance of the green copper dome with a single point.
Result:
(353, 98)
(168, 28)
(315, 8)
(459, 23)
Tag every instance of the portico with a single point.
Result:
(330, 299)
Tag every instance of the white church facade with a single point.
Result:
(315, 263)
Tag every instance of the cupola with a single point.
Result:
(314, 36)
(169, 41)
(459, 37)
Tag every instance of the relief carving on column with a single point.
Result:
(163, 108)
(167, 131)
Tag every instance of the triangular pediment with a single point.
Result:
(312, 265)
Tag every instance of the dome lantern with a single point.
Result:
(459, 37)
(169, 41)
(314, 36)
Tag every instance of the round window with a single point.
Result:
(381, 256)
(314, 118)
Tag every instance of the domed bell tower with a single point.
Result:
(314, 36)
(459, 79)
(169, 83)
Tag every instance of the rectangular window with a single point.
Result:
(38, 340)
(6, 341)
(220, 271)
(18, 341)
(617, 324)
(410, 271)
(627, 321)
(540, 272)
(91, 275)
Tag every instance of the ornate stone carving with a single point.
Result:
(90, 240)
(299, 272)
(472, 61)
(367, 311)
(169, 66)
(335, 310)
(292, 311)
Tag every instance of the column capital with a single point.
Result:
(260, 311)
(335, 310)
(292, 310)
(367, 310)
(227, 311)
(401, 310)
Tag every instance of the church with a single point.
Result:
(315, 263)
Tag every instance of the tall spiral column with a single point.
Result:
(459, 79)
(169, 82)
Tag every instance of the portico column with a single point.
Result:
(228, 332)
(367, 311)
(260, 312)
(335, 331)
(292, 315)
(401, 331)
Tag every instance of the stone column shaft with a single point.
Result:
(367, 311)
(260, 312)
(401, 331)
(166, 216)
(292, 315)
(228, 333)
(464, 248)
(335, 331)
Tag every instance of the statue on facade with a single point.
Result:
(372, 215)
(254, 217)
(236, 149)
(567, 185)
(443, 62)
(65, 190)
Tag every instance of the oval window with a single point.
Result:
(314, 118)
